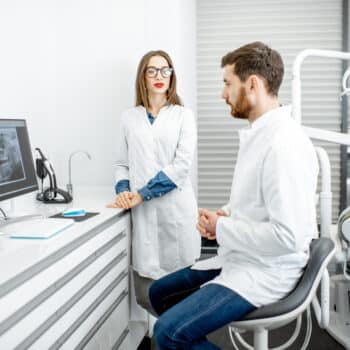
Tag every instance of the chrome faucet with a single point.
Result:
(70, 185)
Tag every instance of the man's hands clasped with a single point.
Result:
(207, 222)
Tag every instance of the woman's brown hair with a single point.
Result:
(141, 90)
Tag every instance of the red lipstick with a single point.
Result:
(159, 85)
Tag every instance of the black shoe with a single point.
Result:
(145, 344)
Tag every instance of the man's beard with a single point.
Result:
(242, 108)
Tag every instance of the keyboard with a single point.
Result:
(37, 228)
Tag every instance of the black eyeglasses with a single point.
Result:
(152, 72)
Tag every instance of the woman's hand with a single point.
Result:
(126, 200)
(136, 200)
(123, 200)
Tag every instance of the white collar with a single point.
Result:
(269, 116)
(264, 120)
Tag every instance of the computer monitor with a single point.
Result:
(17, 171)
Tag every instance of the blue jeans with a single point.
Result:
(188, 313)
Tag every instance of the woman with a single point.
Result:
(154, 156)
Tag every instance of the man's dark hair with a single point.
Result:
(257, 58)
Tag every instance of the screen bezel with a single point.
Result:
(31, 187)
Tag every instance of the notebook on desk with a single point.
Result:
(38, 228)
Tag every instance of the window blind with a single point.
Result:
(289, 27)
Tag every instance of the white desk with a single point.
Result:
(71, 290)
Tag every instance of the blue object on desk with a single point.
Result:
(87, 216)
(72, 212)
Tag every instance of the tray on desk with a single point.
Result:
(37, 228)
(88, 215)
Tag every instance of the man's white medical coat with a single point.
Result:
(264, 243)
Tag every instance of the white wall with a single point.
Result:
(171, 26)
(69, 68)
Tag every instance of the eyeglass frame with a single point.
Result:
(160, 71)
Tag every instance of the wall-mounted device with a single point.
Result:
(52, 194)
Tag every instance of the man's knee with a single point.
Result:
(171, 332)
(163, 335)
(159, 333)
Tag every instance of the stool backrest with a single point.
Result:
(320, 250)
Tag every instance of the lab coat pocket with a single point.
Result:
(168, 249)
(178, 240)
(188, 236)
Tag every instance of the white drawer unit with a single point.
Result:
(114, 330)
(75, 295)
(123, 341)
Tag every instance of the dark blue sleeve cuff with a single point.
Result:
(158, 186)
(121, 186)
(145, 193)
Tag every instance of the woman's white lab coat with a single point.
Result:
(164, 236)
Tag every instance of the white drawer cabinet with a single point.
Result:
(74, 295)
(123, 343)
(115, 330)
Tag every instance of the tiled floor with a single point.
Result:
(320, 339)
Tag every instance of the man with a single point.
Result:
(265, 231)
